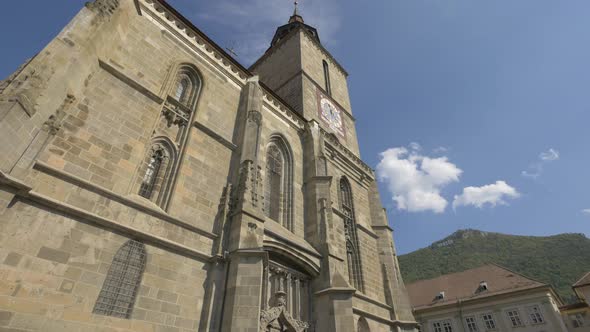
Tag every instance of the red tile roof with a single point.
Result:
(585, 280)
(464, 286)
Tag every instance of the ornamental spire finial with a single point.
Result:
(296, 17)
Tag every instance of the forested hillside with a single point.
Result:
(559, 260)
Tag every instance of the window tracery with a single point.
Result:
(119, 290)
(352, 250)
(278, 183)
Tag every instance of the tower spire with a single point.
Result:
(296, 17)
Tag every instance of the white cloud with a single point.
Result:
(415, 146)
(536, 169)
(252, 23)
(549, 155)
(586, 212)
(416, 181)
(441, 149)
(492, 194)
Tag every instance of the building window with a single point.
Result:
(355, 274)
(535, 315)
(362, 325)
(327, 78)
(514, 318)
(488, 321)
(442, 326)
(471, 324)
(182, 89)
(278, 183)
(187, 86)
(156, 172)
(119, 289)
(151, 173)
(577, 320)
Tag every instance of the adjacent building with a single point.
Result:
(577, 315)
(150, 182)
(488, 298)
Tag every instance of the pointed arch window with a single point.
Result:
(327, 78)
(155, 177)
(278, 184)
(355, 274)
(119, 290)
(362, 325)
(187, 86)
(182, 88)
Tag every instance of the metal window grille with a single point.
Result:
(120, 287)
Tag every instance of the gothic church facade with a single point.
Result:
(149, 182)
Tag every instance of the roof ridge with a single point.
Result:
(580, 280)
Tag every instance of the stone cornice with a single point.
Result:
(231, 67)
(183, 25)
(492, 297)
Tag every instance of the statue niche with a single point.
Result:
(287, 305)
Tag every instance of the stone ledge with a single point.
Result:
(387, 227)
(335, 290)
(129, 81)
(383, 319)
(225, 142)
(111, 224)
(373, 301)
(47, 169)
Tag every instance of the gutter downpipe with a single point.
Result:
(460, 303)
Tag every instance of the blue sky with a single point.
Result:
(473, 112)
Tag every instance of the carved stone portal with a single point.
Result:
(278, 319)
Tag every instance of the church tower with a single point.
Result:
(341, 190)
(304, 73)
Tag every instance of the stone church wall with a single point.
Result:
(54, 265)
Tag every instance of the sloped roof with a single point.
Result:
(584, 281)
(464, 286)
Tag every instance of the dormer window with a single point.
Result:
(440, 296)
(483, 286)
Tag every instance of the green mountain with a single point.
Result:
(558, 260)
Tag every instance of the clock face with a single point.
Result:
(331, 114)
